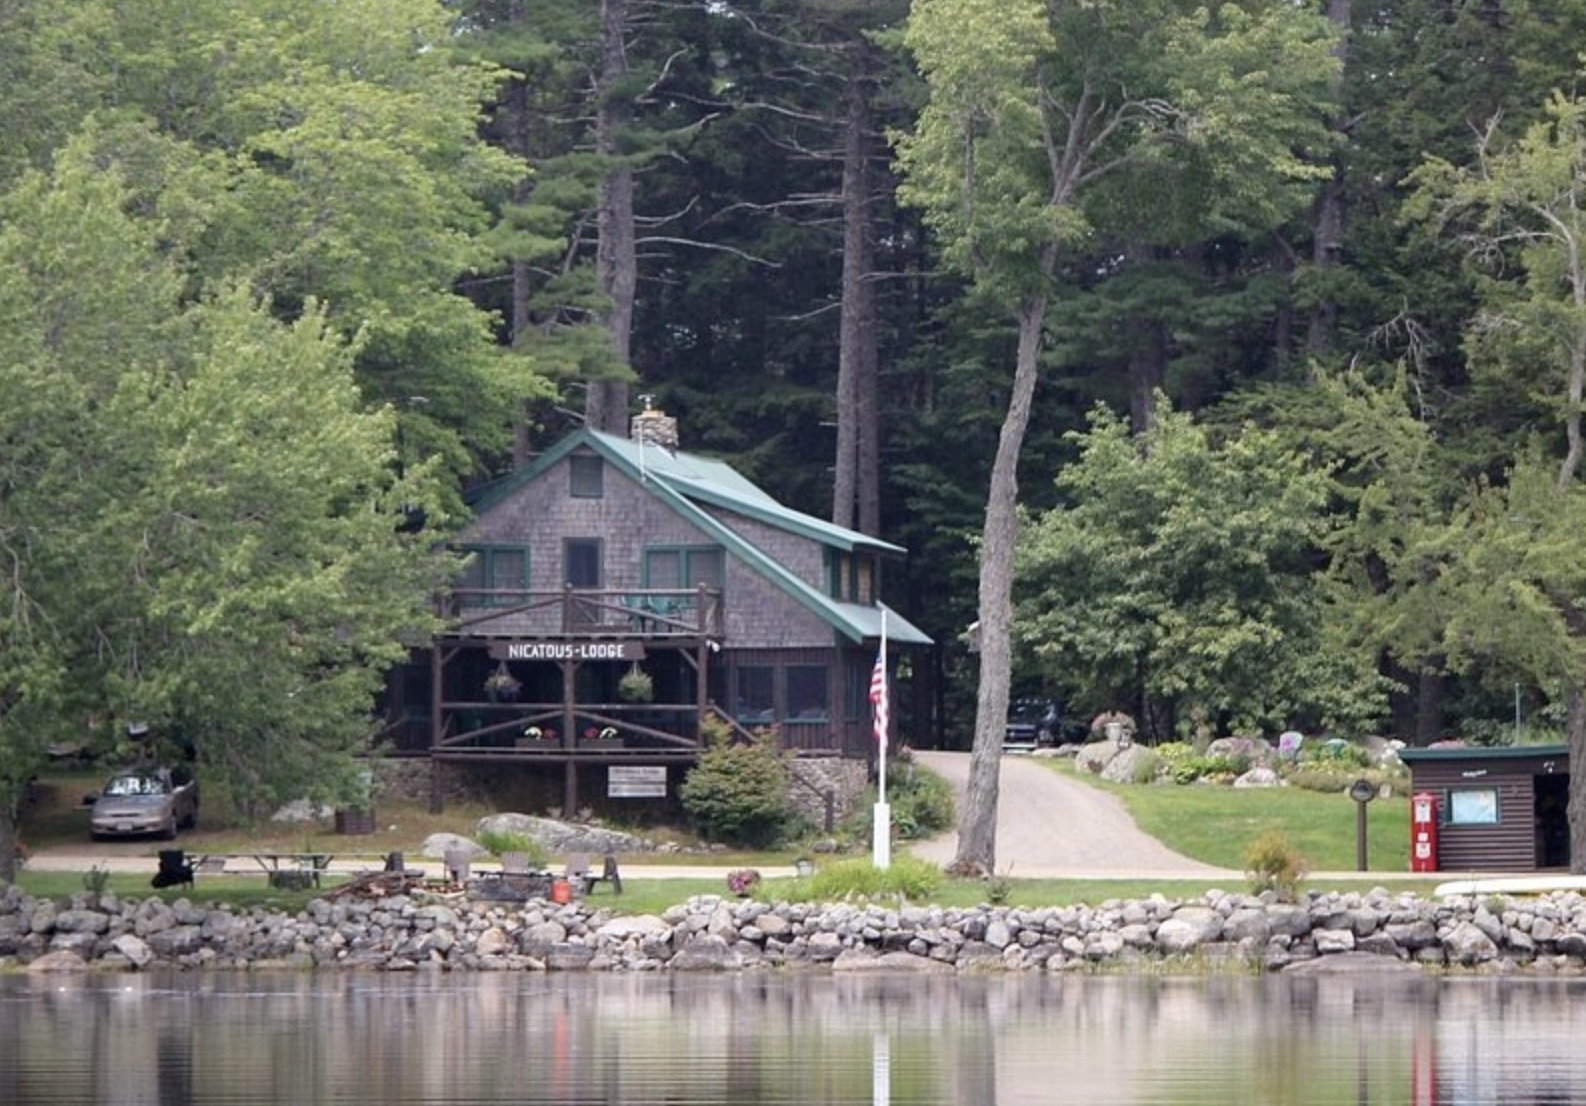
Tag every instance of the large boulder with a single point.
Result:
(437, 845)
(1128, 764)
(563, 837)
(1254, 751)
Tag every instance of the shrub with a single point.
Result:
(907, 876)
(738, 792)
(921, 801)
(1147, 766)
(1272, 863)
(1335, 752)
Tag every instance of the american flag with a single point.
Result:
(878, 697)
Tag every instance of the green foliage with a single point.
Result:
(1337, 779)
(1147, 767)
(1181, 568)
(1273, 864)
(96, 880)
(999, 889)
(500, 842)
(1335, 753)
(921, 802)
(907, 876)
(738, 791)
(239, 571)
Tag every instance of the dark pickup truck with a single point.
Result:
(1032, 724)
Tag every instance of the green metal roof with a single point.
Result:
(1482, 752)
(689, 483)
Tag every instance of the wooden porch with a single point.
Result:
(678, 616)
(532, 677)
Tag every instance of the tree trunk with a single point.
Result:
(1575, 723)
(977, 830)
(1431, 691)
(1147, 376)
(8, 844)
(606, 403)
(516, 108)
(856, 498)
(1327, 247)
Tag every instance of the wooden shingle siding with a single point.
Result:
(789, 594)
(630, 520)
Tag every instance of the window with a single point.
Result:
(586, 474)
(851, 577)
(685, 567)
(493, 575)
(1477, 806)
(754, 695)
(581, 559)
(807, 696)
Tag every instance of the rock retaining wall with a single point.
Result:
(711, 933)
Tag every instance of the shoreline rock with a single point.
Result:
(1324, 931)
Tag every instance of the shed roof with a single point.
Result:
(1482, 752)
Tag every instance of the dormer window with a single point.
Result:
(586, 476)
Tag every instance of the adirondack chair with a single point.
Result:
(579, 875)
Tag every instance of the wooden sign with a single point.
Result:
(566, 651)
(636, 781)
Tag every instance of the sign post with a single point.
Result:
(1362, 792)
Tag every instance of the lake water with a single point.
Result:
(301, 1039)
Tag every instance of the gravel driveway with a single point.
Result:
(1050, 826)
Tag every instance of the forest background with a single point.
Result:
(1225, 365)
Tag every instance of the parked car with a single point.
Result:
(1032, 723)
(145, 801)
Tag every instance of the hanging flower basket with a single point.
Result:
(635, 686)
(501, 686)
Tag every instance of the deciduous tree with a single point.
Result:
(1032, 106)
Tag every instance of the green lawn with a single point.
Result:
(1216, 824)
(1213, 824)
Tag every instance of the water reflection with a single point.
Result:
(881, 1041)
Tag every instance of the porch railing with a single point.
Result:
(572, 613)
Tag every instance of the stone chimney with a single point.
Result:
(653, 427)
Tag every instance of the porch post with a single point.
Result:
(437, 792)
(569, 737)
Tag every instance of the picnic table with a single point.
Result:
(282, 869)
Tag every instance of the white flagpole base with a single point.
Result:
(881, 837)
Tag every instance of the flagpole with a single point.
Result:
(881, 828)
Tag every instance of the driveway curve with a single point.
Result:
(1053, 827)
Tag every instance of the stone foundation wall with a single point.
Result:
(819, 784)
(1376, 932)
(827, 785)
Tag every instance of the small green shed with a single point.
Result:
(1498, 809)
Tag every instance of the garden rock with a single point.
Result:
(1126, 764)
(563, 837)
(437, 845)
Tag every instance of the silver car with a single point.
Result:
(153, 801)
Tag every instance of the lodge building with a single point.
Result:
(617, 592)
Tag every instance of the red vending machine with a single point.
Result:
(1423, 832)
